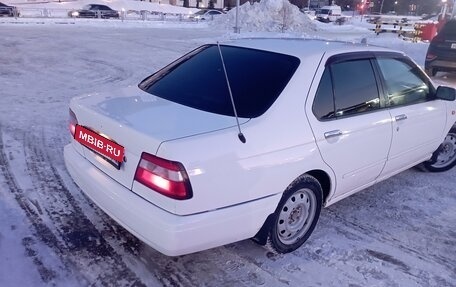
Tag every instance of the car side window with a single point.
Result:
(404, 84)
(355, 87)
(346, 88)
(323, 106)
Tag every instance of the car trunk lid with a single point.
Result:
(139, 122)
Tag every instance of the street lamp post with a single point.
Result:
(237, 29)
(444, 8)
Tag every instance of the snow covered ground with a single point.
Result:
(401, 232)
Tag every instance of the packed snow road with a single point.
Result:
(401, 232)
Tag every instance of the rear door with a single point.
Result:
(418, 119)
(351, 127)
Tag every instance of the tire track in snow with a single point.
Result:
(84, 246)
(42, 230)
(373, 232)
(60, 224)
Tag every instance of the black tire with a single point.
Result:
(296, 215)
(444, 158)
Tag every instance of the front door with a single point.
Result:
(418, 119)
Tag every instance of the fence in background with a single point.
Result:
(144, 15)
(409, 28)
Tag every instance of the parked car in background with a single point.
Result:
(9, 11)
(94, 11)
(206, 14)
(441, 54)
(310, 13)
(328, 14)
(187, 166)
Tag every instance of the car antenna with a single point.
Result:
(240, 134)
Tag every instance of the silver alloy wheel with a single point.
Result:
(447, 154)
(296, 216)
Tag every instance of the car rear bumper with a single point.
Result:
(441, 64)
(168, 233)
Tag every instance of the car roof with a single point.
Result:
(304, 48)
(210, 10)
(95, 4)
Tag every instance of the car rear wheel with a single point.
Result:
(444, 158)
(296, 215)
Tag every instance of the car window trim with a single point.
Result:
(349, 56)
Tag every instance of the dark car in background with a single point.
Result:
(94, 11)
(441, 54)
(9, 11)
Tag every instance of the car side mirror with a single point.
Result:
(445, 93)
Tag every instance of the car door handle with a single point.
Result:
(400, 117)
(334, 133)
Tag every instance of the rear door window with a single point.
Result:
(323, 106)
(355, 87)
(449, 30)
(346, 88)
(197, 80)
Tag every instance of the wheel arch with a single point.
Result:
(325, 181)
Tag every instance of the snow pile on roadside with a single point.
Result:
(267, 15)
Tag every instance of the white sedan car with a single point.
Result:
(206, 14)
(250, 139)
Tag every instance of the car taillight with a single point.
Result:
(163, 176)
(73, 121)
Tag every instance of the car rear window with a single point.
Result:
(197, 80)
(450, 29)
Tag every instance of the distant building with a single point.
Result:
(215, 4)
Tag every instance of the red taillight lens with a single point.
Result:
(163, 176)
(73, 121)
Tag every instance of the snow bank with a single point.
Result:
(267, 15)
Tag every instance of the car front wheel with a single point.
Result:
(444, 158)
(296, 215)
